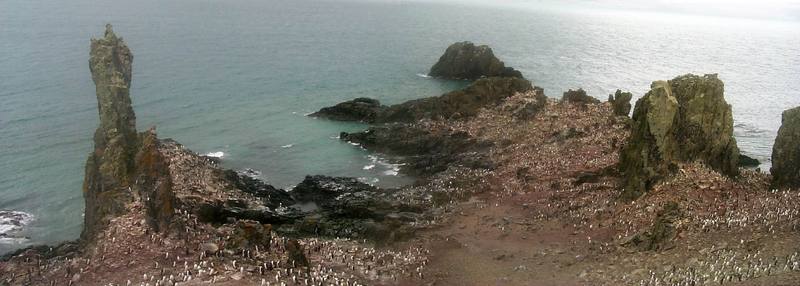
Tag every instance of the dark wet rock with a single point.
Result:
(65, 250)
(682, 120)
(250, 234)
(296, 254)
(322, 189)
(786, 151)
(359, 109)
(465, 60)
(425, 152)
(748, 162)
(620, 102)
(534, 104)
(486, 92)
(661, 235)
(154, 183)
(245, 182)
(346, 207)
(578, 97)
(110, 166)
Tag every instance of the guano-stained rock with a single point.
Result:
(106, 187)
(682, 120)
(786, 151)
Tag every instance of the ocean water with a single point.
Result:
(237, 77)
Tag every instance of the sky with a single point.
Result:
(777, 10)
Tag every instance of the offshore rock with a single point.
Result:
(109, 168)
(359, 109)
(748, 162)
(682, 120)
(486, 92)
(578, 97)
(464, 60)
(786, 151)
(620, 102)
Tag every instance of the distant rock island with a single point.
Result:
(512, 188)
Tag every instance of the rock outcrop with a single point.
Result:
(661, 235)
(464, 60)
(533, 104)
(359, 109)
(578, 97)
(425, 152)
(621, 102)
(485, 92)
(457, 104)
(682, 120)
(154, 183)
(786, 151)
(110, 166)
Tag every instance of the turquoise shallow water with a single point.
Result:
(238, 76)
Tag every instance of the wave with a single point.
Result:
(389, 169)
(11, 223)
(422, 75)
(287, 146)
(369, 167)
(218, 154)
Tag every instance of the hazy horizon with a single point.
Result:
(770, 10)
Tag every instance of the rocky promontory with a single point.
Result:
(512, 188)
(465, 60)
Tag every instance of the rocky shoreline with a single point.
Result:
(512, 187)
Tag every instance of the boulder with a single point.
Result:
(359, 109)
(249, 234)
(786, 151)
(110, 166)
(620, 102)
(465, 60)
(296, 254)
(748, 162)
(682, 120)
(578, 97)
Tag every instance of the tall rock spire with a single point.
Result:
(110, 167)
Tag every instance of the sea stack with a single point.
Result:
(786, 151)
(109, 168)
(678, 121)
(465, 60)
